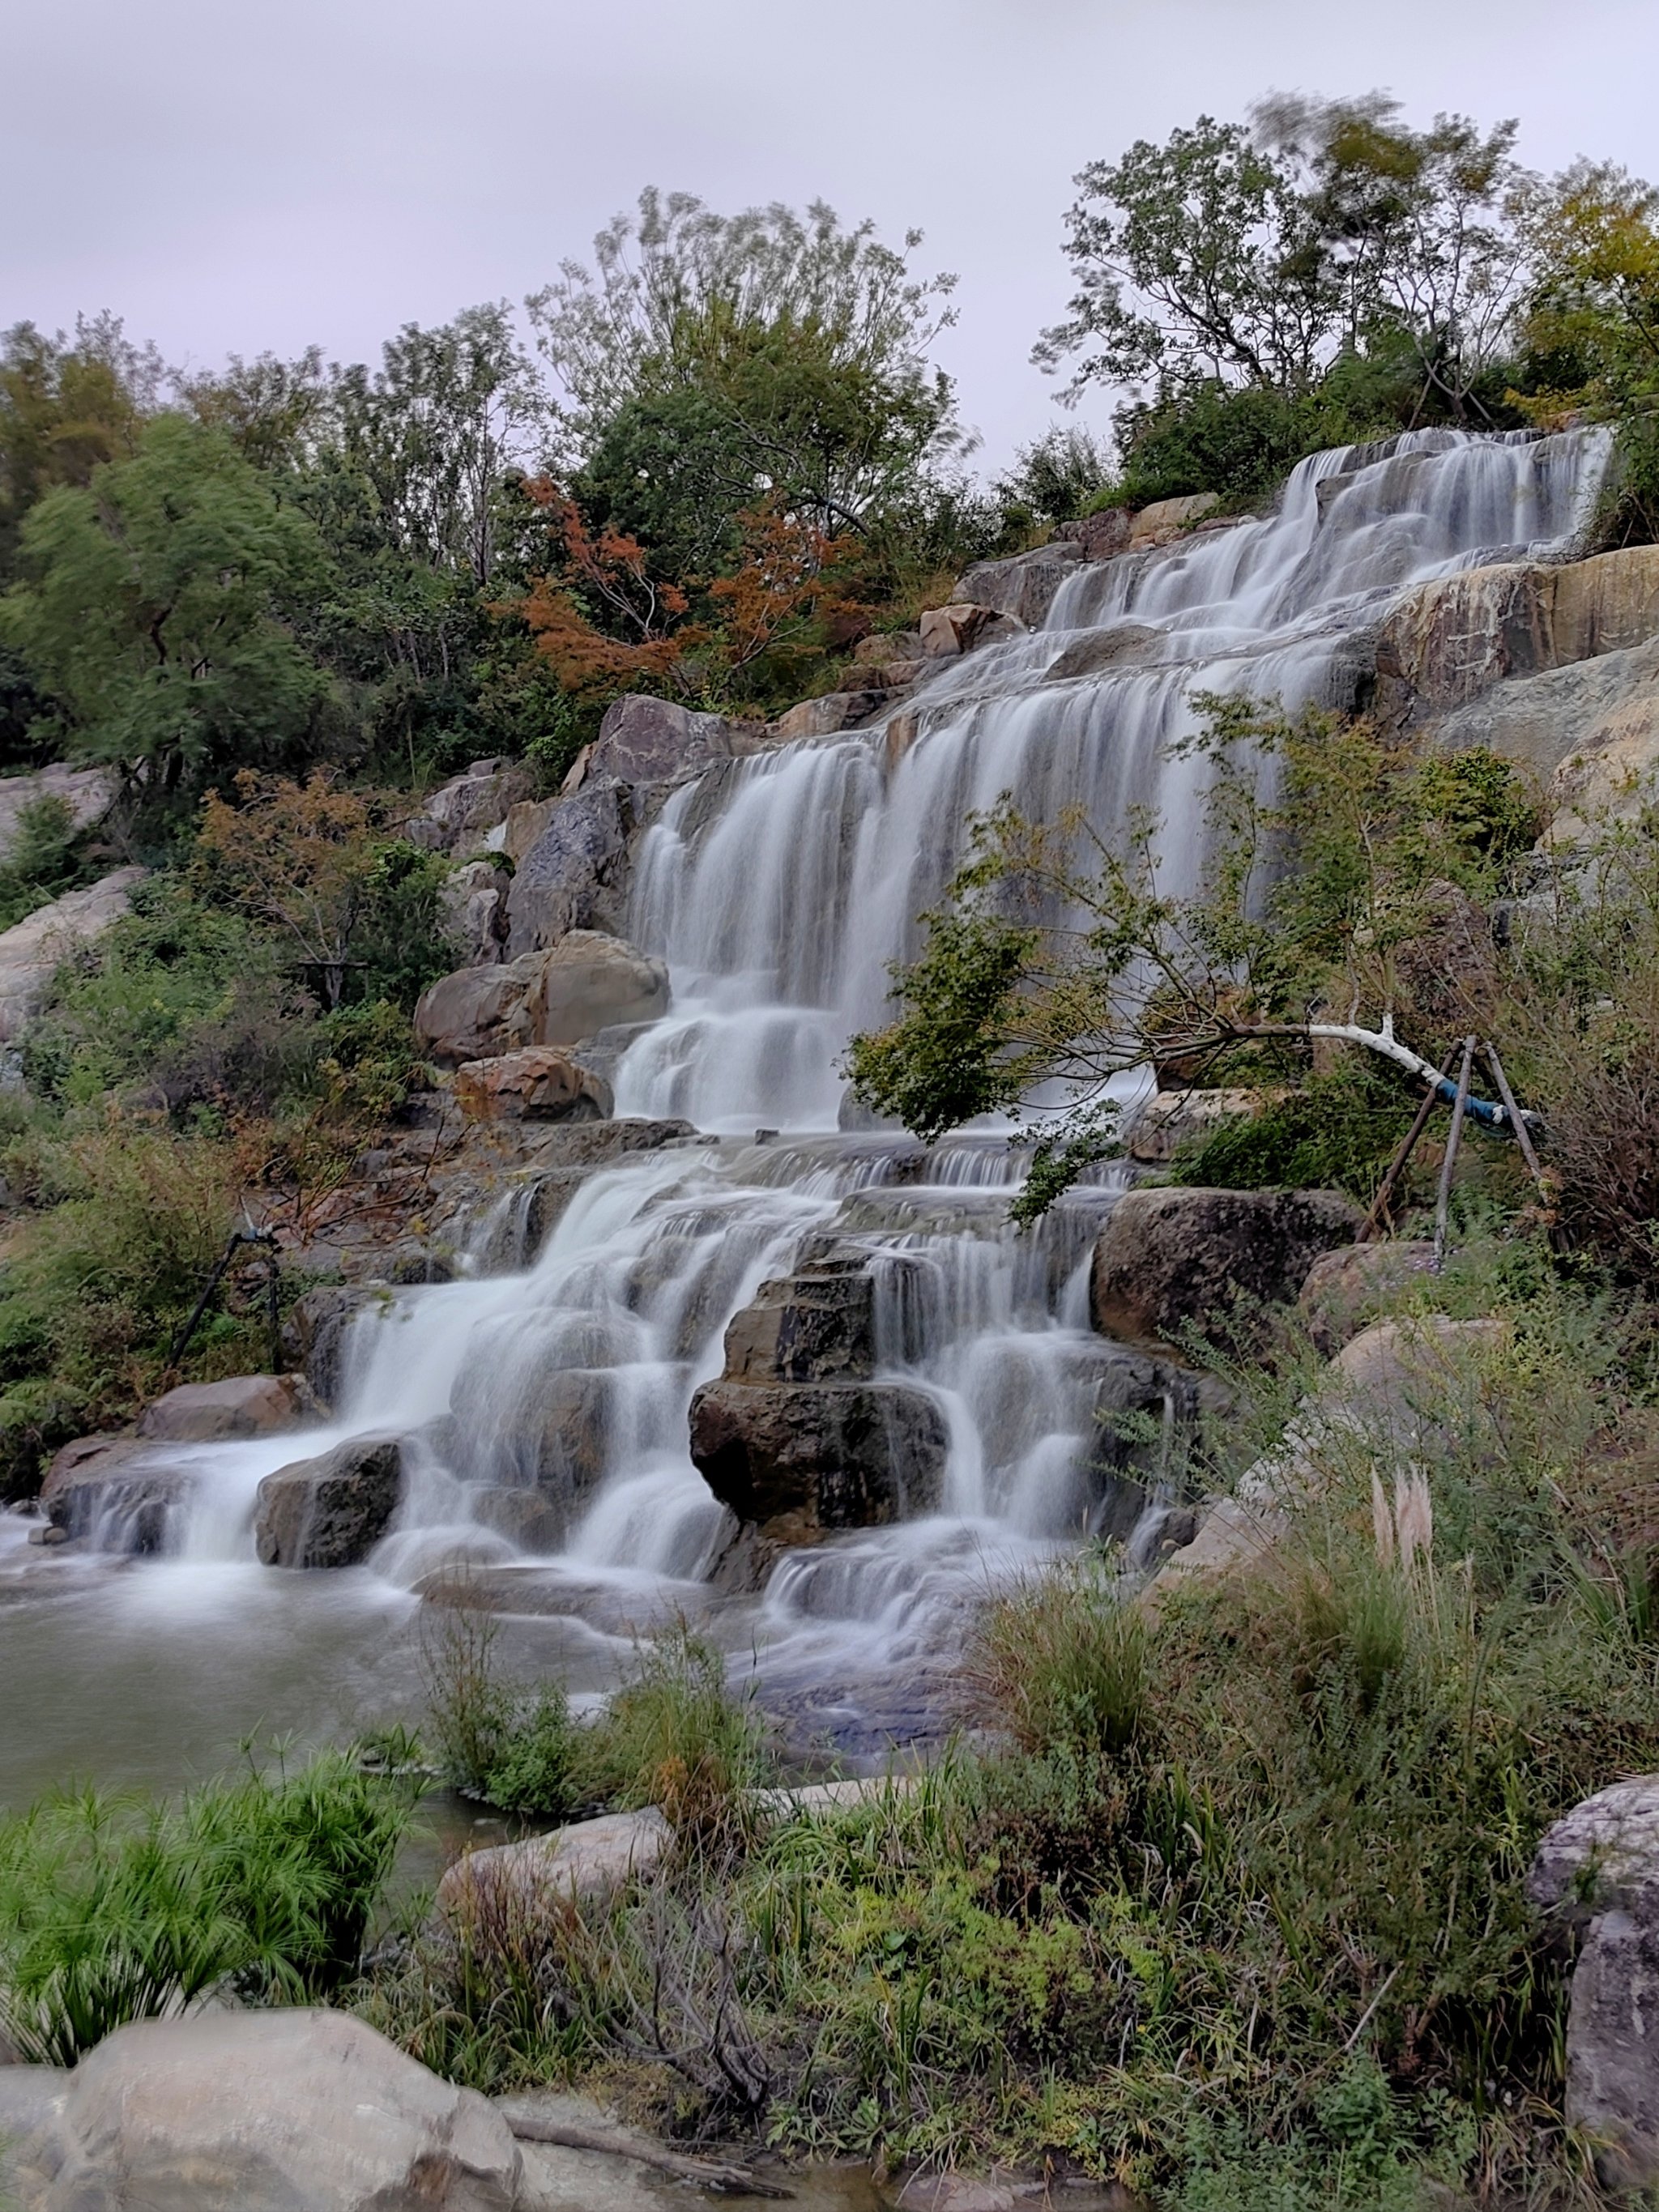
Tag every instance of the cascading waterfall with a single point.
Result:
(779, 888)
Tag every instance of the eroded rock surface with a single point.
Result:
(32, 951)
(802, 1460)
(589, 1859)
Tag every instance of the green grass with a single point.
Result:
(114, 1910)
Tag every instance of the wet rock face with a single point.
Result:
(1025, 587)
(315, 1332)
(95, 1489)
(1167, 1260)
(330, 1511)
(814, 1326)
(802, 1460)
(947, 631)
(1597, 1873)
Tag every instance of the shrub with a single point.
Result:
(1060, 1663)
(1336, 1131)
(674, 1735)
(43, 862)
(113, 1911)
(511, 1746)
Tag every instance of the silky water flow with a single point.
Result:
(778, 888)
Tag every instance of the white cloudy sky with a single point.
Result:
(227, 176)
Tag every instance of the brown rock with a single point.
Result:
(535, 1085)
(818, 1457)
(885, 646)
(1100, 535)
(117, 1491)
(1343, 1288)
(242, 1405)
(1166, 519)
(587, 981)
(822, 716)
(1209, 1260)
(947, 631)
(474, 902)
(330, 1511)
(648, 741)
(1121, 645)
(469, 806)
(814, 1326)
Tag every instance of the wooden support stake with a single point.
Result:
(1517, 1119)
(1443, 1202)
(1403, 1152)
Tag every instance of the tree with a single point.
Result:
(1257, 255)
(65, 409)
(1060, 959)
(673, 280)
(155, 611)
(597, 615)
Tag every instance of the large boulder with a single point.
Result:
(1448, 641)
(584, 982)
(537, 1085)
(1597, 1871)
(265, 2111)
(1166, 520)
(333, 1510)
(1170, 1261)
(32, 951)
(221, 1412)
(552, 1872)
(822, 716)
(800, 1460)
(1343, 1288)
(576, 874)
(1025, 587)
(1099, 536)
(589, 981)
(651, 741)
(314, 1334)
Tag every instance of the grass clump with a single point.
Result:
(112, 1910)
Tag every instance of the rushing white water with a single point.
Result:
(779, 888)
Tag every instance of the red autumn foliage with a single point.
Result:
(606, 571)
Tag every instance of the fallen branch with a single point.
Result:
(723, 2180)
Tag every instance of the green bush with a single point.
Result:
(1337, 1132)
(674, 1735)
(44, 861)
(113, 1911)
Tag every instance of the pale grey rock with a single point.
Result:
(1025, 587)
(240, 1406)
(32, 950)
(588, 1859)
(265, 2112)
(89, 793)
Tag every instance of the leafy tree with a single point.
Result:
(153, 612)
(276, 411)
(598, 616)
(64, 409)
(1058, 476)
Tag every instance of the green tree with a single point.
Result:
(65, 407)
(153, 611)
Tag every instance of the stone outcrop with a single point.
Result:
(32, 951)
(830, 712)
(576, 874)
(814, 1326)
(330, 1511)
(1120, 645)
(1167, 1260)
(1450, 640)
(589, 1859)
(584, 982)
(644, 741)
(474, 903)
(219, 1413)
(1023, 587)
(87, 791)
(538, 1084)
(800, 1460)
(265, 2111)
(1597, 1874)
(947, 631)
(1100, 536)
(315, 1331)
(471, 810)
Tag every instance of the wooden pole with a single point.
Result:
(1443, 1202)
(1517, 1119)
(1403, 1152)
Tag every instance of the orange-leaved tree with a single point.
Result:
(301, 856)
(790, 581)
(599, 616)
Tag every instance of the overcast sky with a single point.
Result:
(230, 176)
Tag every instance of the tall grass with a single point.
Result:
(113, 1910)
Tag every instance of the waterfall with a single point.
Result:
(779, 888)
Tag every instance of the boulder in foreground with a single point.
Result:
(330, 1511)
(265, 2112)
